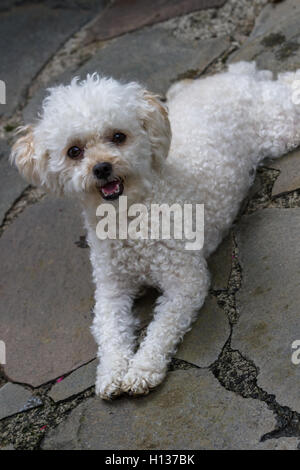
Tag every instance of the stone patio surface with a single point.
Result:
(232, 383)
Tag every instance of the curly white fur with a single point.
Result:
(222, 127)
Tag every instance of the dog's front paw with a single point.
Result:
(107, 387)
(109, 382)
(139, 381)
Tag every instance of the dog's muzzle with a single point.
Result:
(112, 189)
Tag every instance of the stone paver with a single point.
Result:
(78, 381)
(46, 293)
(133, 14)
(269, 299)
(273, 14)
(289, 178)
(11, 183)
(14, 399)
(189, 411)
(275, 42)
(152, 57)
(202, 345)
(30, 34)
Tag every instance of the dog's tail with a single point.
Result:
(277, 111)
(288, 110)
(274, 113)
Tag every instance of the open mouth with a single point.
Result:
(112, 190)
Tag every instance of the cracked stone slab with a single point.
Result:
(269, 299)
(46, 293)
(275, 42)
(289, 177)
(11, 183)
(153, 57)
(78, 381)
(202, 345)
(15, 399)
(134, 14)
(189, 411)
(35, 30)
(273, 14)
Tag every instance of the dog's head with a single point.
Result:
(96, 137)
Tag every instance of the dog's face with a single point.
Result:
(95, 137)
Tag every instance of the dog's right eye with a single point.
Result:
(75, 152)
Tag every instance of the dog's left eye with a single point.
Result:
(75, 152)
(118, 138)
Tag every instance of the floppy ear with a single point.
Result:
(156, 122)
(30, 163)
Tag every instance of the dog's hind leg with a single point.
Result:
(175, 311)
(278, 115)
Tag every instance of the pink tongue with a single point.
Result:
(110, 187)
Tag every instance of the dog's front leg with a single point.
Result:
(175, 311)
(113, 329)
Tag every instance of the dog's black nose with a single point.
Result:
(102, 170)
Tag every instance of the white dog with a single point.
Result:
(98, 139)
